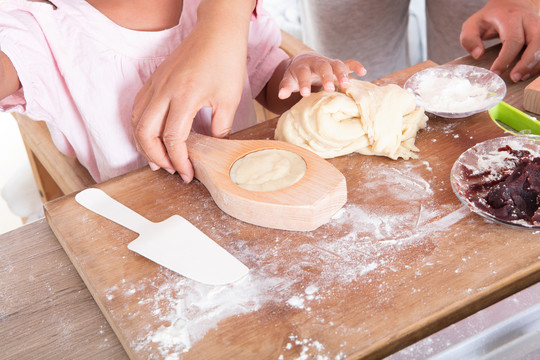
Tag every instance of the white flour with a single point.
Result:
(460, 89)
(365, 240)
(452, 95)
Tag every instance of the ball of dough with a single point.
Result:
(268, 170)
(366, 118)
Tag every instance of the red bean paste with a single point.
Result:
(514, 194)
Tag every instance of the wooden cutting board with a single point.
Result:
(401, 260)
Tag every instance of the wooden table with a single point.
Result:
(307, 317)
(46, 311)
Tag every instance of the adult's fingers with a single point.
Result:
(512, 38)
(529, 63)
(471, 37)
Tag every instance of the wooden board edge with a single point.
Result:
(455, 313)
(86, 280)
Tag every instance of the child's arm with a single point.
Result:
(304, 73)
(9, 81)
(207, 69)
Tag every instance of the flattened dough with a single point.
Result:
(268, 170)
(366, 118)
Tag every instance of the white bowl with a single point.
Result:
(456, 91)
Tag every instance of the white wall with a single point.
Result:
(12, 157)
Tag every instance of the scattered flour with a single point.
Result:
(308, 349)
(299, 301)
(193, 309)
(366, 239)
(296, 302)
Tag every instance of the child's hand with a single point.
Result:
(310, 69)
(206, 70)
(185, 82)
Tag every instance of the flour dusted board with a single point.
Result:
(401, 260)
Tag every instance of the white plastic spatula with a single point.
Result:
(174, 243)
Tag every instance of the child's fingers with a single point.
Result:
(341, 72)
(326, 75)
(287, 86)
(222, 119)
(315, 71)
(303, 77)
(147, 125)
(175, 133)
(356, 67)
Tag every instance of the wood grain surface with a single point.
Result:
(45, 310)
(403, 259)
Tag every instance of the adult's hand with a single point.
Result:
(517, 24)
(208, 69)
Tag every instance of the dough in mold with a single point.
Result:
(268, 170)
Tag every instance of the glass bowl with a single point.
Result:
(456, 91)
(484, 163)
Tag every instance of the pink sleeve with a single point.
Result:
(264, 53)
(258, 7)
(23, 42)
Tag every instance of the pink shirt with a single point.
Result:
(80, 73)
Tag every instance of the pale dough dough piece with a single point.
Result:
(366, 118)
(268, 170)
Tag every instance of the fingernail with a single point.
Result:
(281, 93)
(185, 178)
(345, 82)
(153, 166)
(170, 171)
(515, 77)
(476, 53)
(304, 91)
(526, 77)
(329, 86)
